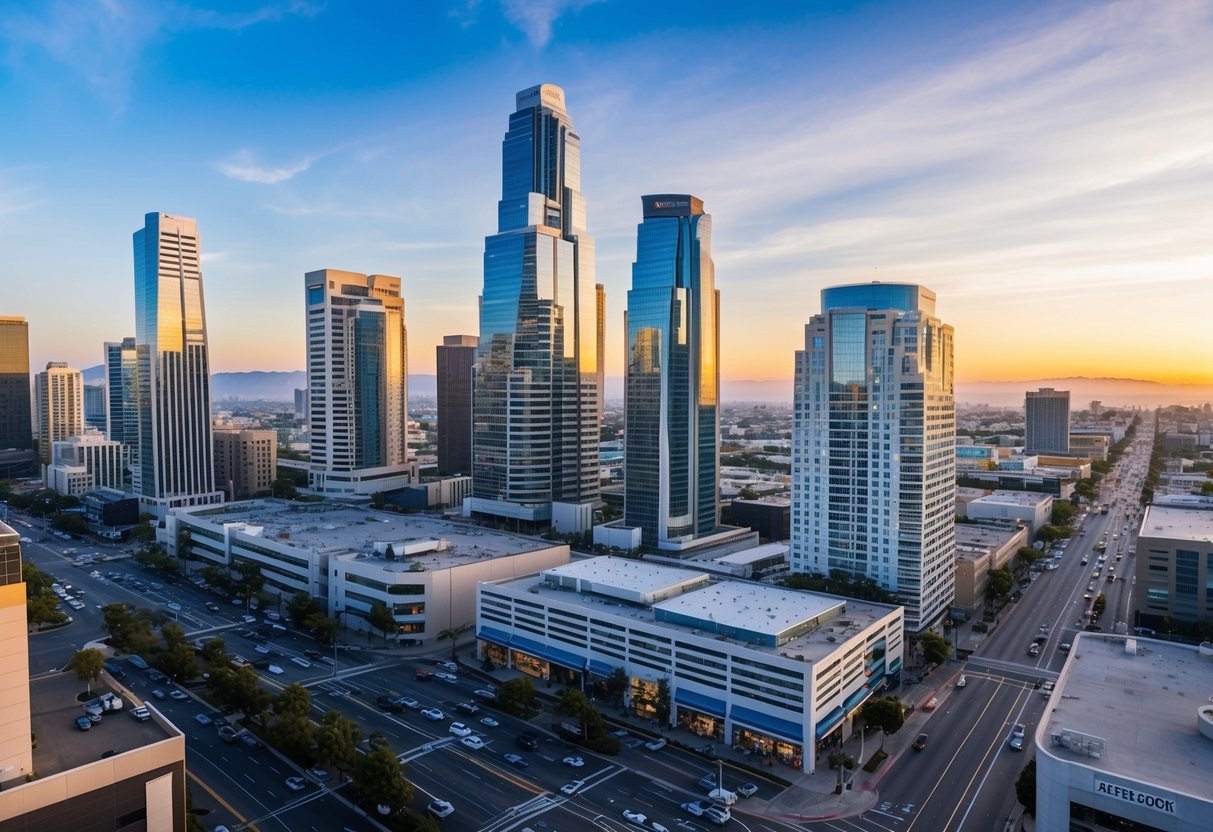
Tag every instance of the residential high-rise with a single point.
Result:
(175, 456)
(85, 463)
(122, 393)
(456, 355)
(1047, 422)
(357, 382)
(672, 382)
(59, 391)
(245, 461)
(16, 430)
(94, 407)
(535, 390)
(874, 445)
(600, 296)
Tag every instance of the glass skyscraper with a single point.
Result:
(874, 445)
(1047, 421)
(176, 454)
(671, 448)
(535, 388)
(16, 428)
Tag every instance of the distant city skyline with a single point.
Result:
(1042, 166)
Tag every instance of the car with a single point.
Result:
(174, 606)
(275, 669)
(1015, 742)
(634, 817)
(747, 790)
(247, 619)
(962, 681)
(296, 784)
(440, 808)
(656, 745)
(212, 606)
(708, 781)
(317, 773)
(474, 743)
(574, 762)
(695, 808)
(93, 716)
(485, 693)
(178, 694)
(468, 707)
(489, 721)
(273, 616)
(1064, 647)
(84, 723)
(262, 648)
(572, 787)
(250, 739)
(447, 677)
(141, 713)
(388, 703)
(1091, 587)
(622, 733)
(516, 760)
(203, 719)
(159, 694)
(312, 654)
(237, 602)
(227, 733)
(433, 714)
(299, 660)
(718, 815)
(920, 742)
(459, 729)
(527, 741)
(410, 703)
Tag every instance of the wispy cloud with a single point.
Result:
(243, 167)
(535, 17)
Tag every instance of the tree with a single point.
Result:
(293, 732)
(594, 734)
(325, 629)
(935, 648)
(517, 697)
(185, 545)
(389, 554)
(1101, 604)
(120, 622)
(1050, 532)
(283, 489)
(844, 762)
(453, 634)
(176, 657)
(1029, 554)
(662, 705)
(337, 741)
(1025, 788)
(300, 608)
(1063, 513)
(1001, 581)
(71, 522)
(214, 653)
(217, 577)
(87, 664)
(379, 778)
(40, 608)
(617, 684)
(249, 580)
(887, 714)
(381, 619)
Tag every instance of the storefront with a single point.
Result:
(700, 714)
(771, 739)
(644, 698)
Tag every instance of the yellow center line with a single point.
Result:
(248, 824)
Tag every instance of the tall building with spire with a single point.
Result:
(671, 389)
(535, 389)
(176, 451)
(874, 445)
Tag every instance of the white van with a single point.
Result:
(724, 796)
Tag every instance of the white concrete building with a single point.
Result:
(1174, 564)
(768, 670)
(1026, 507)
(85, 463)
(1127, 740)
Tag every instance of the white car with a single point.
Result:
(634, 817)
(432, 713)
(572, 788)
(296, 784)
(489, 721)
(440, 808)
(460, 730)
(574, 762)
(474, 743)
(175, 607)
(275, 669)
(446, 677)
(263, 649)
(299, 660)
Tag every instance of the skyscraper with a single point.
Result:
(16, 431)
(1047, 422)
(122, 393)
(60, 401)
(600, 314)
(456, 355)
(671, 447)
(357, 382)
(94, 407)
(535, 408)
(874, 445)
(176, 464)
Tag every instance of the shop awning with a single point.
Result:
(831, 719)
(895, 665)
(699, 702)
(856, 698)
(543, 651)
(767, 724)
(599, 668)
(494, 635)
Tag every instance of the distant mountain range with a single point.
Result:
(278, 386)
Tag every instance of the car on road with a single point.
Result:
(433, 714)
(275, 669)
(317, 773)
(250, 739)
(634, 817)
(203, 719)
(962, 681)
(696, 807)
(656, 745)
(459, 729)
(468, 707)
(388, 703)
(299, 660)
(178, 694)
(474, 743)
(446, 677)
(174, 606)
(574, 762)
(84, 723)
(440, 808)
(718, 815)
(1017, 737)
(1064, 647)
(263, 649)
(527, 741)
(747, 790)
(920, 742)
(247, 619)
(155, 676)
(159, 694)
(410, 703)
(516, 760)
(296, 784)
(489, 721)
(485, 693)
(445, 665)
(212, 606)
(572, 788)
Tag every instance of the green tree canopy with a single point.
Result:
(1025, 788)
(935, 648)
(517, 697)
(337, 741)
(381, 619)
(379, 778)
(1001, 581)
(87, 664)
(886, 714)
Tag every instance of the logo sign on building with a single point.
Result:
(1135, 796)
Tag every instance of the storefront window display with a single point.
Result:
(769, 750)
(644, 698)
(495, 653)
(530, 665)
(700, 724)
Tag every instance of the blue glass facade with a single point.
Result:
(535, 388)
(671, 456)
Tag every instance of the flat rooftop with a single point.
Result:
(1175, 523)
(746, 556)
(985, 537)
(751, 606)
(62, 746)
(337, 529)
(624, 577)
(1018, 498)
(1142, 706)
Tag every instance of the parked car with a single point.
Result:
(178, 694)
(718, 815)
(84, 723)
(656, 745)
(962, 681)
(1017, 736)
(212, 606)
(440, 808)
(574, 762)
(296, 784)
(204, 719)
(747, 790)
(141, 713)
(317, 773)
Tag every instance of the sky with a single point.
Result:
(1045, 167)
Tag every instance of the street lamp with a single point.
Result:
(336, 614)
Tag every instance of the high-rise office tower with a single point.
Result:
(600, 296)
(59, 391)
(94, 407)
(456, 355)
(175, 457)
(535, 391)
(16, 430)
(671, 389)
(874, 445)
(122, 393)
(357, 382)
(1047, 425)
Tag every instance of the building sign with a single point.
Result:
(1136, 796)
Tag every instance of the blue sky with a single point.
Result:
(1046, 168)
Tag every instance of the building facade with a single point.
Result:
(59, 392)
(777, 684)
(175, 454)
(84, 463)
(535, 427)
(456, 356)
(16, 428)
(874, 445)
(1031, 508)
(672, 381)
(94, 407)
(600, 297)
(357, 371)
(1174, 563)
(122, 394)
(1047, 421)
(246, 462)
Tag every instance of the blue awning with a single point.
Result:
(876, 668)
(895, 665)
(768, 724)
(832, 719)
(699, 702)
(599, 668)
(494, 635)
(543, 651)
(856, 698)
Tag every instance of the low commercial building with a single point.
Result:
(1174, 565)
(1127, 738)
(422, 568)
(771, 671)
(1034, 510)
(980, 549)
(1090, 445)
(1057, 485)
(976, 457)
